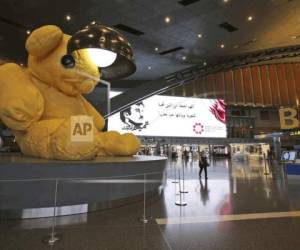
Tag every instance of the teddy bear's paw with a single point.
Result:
(131, 144)
(120, 145)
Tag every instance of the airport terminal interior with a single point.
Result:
(137, 124)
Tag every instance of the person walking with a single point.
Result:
(203, 164)
(270, 156)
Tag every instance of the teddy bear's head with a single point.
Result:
(46, 47)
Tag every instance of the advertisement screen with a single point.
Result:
(172, 116)
(288, 155)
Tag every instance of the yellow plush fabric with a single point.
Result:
(37, 102)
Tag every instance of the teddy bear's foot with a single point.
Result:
(51, 139)
(113, 143)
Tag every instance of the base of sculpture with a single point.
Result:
(32, 188)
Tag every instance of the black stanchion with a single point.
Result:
(181, 201)
(53, 237)
(183, 182)
(266, 170)
(144, 219)
(175, 176)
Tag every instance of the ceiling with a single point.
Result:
(274, 23)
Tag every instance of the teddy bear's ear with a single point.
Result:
(43, 40)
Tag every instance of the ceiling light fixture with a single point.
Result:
(167, 19)
(222, 46)
(225, 1)
(28, 32)
(184, 58)
(205, 63)
(107, 48)
(250, 18)
(68, 17)
(199, 35)
(156, 49)
(149, 67)
(102, 57)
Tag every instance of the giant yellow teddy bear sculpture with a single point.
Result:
(37, 102)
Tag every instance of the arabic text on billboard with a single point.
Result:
(172, 116)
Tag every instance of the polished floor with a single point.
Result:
(242, 205)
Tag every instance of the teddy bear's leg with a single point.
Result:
(51, 139)
(113, 143)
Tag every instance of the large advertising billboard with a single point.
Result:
(172, 116)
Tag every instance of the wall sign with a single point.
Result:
(172, 116)
(288, 118)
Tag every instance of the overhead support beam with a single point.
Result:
(135, 95)
(132, 96)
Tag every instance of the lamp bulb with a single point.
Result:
(101, 57)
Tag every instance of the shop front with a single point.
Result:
(249, 151)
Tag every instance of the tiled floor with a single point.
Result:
(239, 207)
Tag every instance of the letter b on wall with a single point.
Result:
(82, 128)
(288, 118)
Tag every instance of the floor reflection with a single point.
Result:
(240, 204)
(204, 191)
(233, 187)
(204, 197)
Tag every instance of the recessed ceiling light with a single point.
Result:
(28, 32)
(205, 63)
(149, 67)
(222, 46)
(199, 35)
(225, 1)
(184, 58)
(167, 19)
(68, 17)
(250, 18)
(156, 49)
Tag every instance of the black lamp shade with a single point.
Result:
(99, 36)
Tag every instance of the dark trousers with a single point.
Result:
(205, 171)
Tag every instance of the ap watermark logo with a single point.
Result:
(82, 128)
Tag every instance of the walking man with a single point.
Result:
(203, 164)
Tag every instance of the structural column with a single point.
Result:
(277, 147)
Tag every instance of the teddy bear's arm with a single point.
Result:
(98, 119)
(21, 103)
